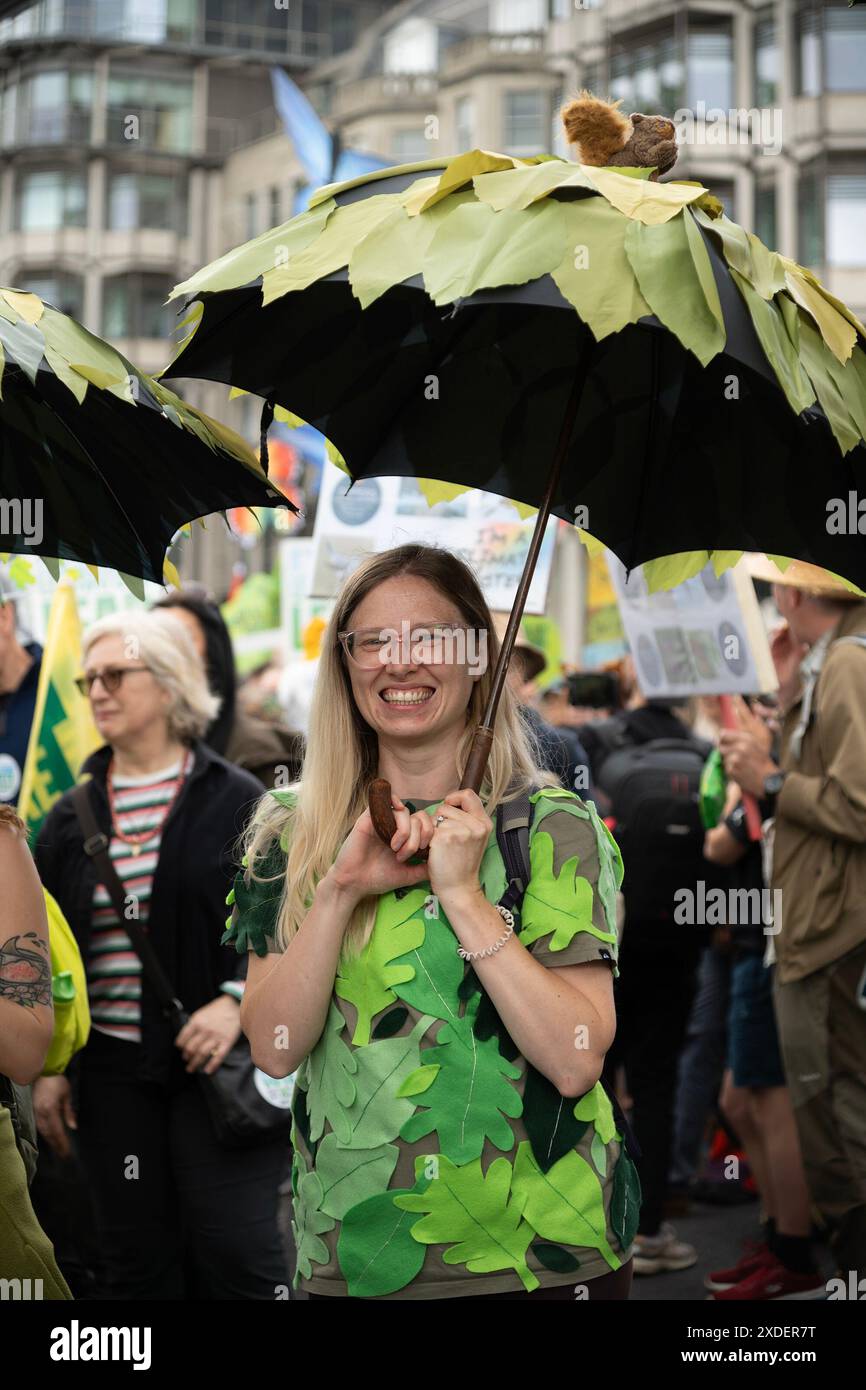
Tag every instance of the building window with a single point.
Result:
(54, 107)
(647, 76)
(51, 199)
(464, 123)
(411, 47)
(57, 288)
(150, 112)
(155, 201)
(846, 220)
(809, 53)
(251, 220)
(526, 122)
(409, 145)
(518, 16)
(710, 67)
(275, 206)
(765, 214)
(810, 221)
(766, 61)
(134, 307)
(845, 48)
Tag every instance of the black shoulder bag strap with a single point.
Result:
(96, 847)
(513, 820)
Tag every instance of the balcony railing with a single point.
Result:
(491, 52)
(228, 133)
(413, 91)
(90, 21)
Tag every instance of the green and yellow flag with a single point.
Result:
(63, 733)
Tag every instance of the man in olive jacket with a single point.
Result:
(819, 866)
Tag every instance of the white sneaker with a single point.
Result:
(662, 1252)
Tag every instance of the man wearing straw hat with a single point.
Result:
(818, 790)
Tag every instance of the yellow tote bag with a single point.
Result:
(69, 991)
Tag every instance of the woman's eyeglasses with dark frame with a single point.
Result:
(111, 678)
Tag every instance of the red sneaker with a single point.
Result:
(772, 1281)
(757, 1253)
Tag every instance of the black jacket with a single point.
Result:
(195, 870)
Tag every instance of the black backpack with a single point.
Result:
(653, 790)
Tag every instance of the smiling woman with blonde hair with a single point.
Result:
(451, 1134)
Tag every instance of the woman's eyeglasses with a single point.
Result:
(419, 644)
(111, 678)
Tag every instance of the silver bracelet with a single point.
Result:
(508, 918)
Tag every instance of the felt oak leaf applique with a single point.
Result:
(331, 1090)
(566, 1204)
(476, 1215)
(469, 1096)
(367, 980)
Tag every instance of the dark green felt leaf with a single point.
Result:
(625, 1200)
(549, 1119)
(301, 1117)
(555, 1257)
(375, 1249)
(391, 1023)
(257, 904)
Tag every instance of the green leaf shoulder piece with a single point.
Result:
(367, 980)
(476, 1214)
(560, 903)
(566, 1204)
(256, 904)
(470, 1094)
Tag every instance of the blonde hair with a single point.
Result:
(342, 755)
(162, 643)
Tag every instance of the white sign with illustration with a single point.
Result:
(704, 637)
(364, 518)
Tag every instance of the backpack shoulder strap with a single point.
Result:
(513, 819)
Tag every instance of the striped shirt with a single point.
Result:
(114, 969)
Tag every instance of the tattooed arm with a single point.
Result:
(26, 1010)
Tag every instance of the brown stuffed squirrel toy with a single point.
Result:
(604, 135)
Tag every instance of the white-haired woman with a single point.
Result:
(452, 1137)
(178, 1215)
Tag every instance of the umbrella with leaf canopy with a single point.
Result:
(114, 461)
(607, 349)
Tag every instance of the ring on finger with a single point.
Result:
(439, 819)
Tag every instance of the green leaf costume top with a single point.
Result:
(431, 1159)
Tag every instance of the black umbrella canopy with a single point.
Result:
(721, 390)
(98, 462)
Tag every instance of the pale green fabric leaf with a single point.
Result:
(669, 570)
(594, 274)
(78, 347)
(330, 250)
(459, 171)
(329, 190)
(598, 1153)
(60, 367)
(378, 1111)
(246, 263)
(732, 239)
(780, 352)
(722, 560)
(815, 357)
(704, 269)
(476, 248)
(662, 260)
(332, 1085)
(23, 343)
(518, 188)
(309, 1221)
(367, 980)
(768, 268)
(350, 1176)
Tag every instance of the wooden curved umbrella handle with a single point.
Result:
(379, 795)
